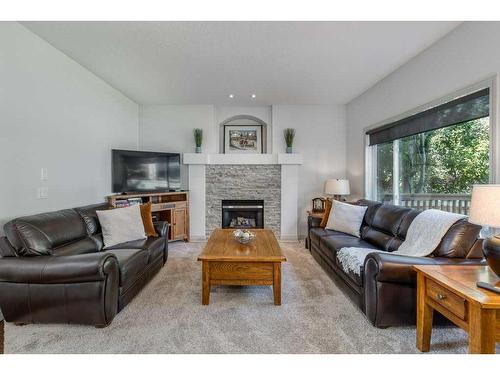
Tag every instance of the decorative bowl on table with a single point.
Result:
(243, 236)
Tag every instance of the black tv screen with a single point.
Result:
(141, 171)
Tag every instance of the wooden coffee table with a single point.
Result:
(227, 262)
(452, 291)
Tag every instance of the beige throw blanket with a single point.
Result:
(424, 235)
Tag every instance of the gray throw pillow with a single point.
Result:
(346, 218)
(121, 225)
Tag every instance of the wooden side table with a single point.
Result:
(452, 291)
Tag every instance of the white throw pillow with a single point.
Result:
(346, 218)
(121, 225)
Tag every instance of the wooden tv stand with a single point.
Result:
(172, 207)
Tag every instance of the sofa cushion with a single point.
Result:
(332, 244)
(385, 228)
(317, 233)
(458, 241)
(379, 239)
(6, 249)
(371, 208)
(83, 246)
(405, 223)
(388, 218)
(39, 234)
(131, 263)
(153, 245)
(89, 216)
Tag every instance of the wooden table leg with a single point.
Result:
(277, 283)
(424, 317)
(205, 288)
(482, 323)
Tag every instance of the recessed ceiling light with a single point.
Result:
(231, 96)
(254, 96)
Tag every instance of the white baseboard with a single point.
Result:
(198, 239)
(289, 238)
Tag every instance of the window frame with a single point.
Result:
(371, 152)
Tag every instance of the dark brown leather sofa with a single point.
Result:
(386, 288)
(53, 268)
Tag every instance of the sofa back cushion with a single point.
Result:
(371, 208)
(82, 246)
(386, 226)
(6, 249)
(89, 216)
(40, 234)
(458, 241)
(384, 231)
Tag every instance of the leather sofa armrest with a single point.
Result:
(393, 268)
(476, 251)
(161, 227)
(313, 222)
(58, 269)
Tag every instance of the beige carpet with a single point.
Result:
(167, 317)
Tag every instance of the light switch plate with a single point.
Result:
(43, 192)
(44, 174)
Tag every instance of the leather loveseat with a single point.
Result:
(385, 290)
(53, 268)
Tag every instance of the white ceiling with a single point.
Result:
(204, 62)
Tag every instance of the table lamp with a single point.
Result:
(485, 210)
(337, 187)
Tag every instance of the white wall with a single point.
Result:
(466, 56)
(57, 115)
(170, 128)
(320, 138)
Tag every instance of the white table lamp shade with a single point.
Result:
(337, 187)
(485, 205)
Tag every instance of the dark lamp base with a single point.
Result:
(491, 251)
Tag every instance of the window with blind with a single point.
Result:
(432, 159)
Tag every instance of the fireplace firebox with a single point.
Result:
(242, 213)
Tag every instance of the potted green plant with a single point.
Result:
(198, 139)
(289, 137)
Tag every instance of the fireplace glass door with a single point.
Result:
(242, 214)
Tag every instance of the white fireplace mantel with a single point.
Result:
(284, 159)
(289, 187)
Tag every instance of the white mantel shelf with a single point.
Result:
(290, 165)
(200, 159)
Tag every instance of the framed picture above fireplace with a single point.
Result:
(243, 139)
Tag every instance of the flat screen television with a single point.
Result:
(143, 171)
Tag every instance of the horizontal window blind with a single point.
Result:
(465, 108)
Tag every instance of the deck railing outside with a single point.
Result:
(457, 203)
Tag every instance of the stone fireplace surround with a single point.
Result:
(271, 177)
(242, 181)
